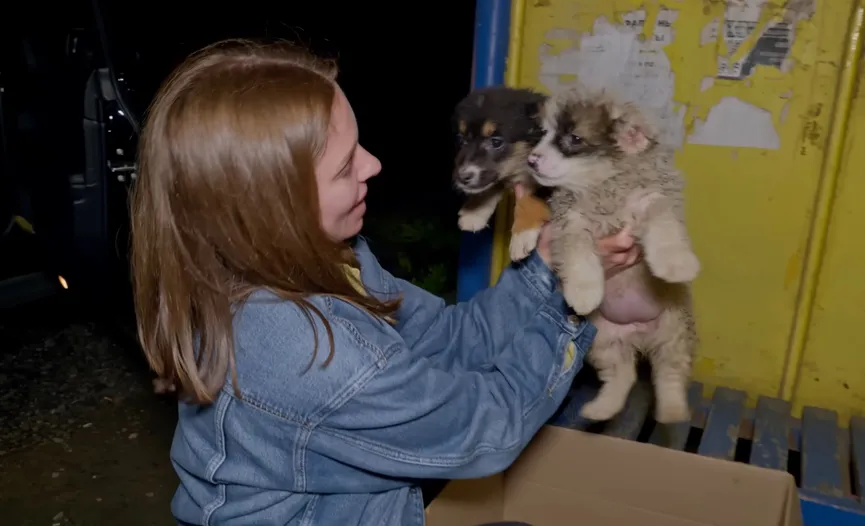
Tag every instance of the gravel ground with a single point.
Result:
(83, 439)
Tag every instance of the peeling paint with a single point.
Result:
(812, 130)
(709, 34)
(771, 215)
(735, 123)
(628, 52)
(797, 10)
(619, 56)
(785, 110)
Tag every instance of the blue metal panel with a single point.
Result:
(820, 510)
(771, 434)
(492, 35)
(474, 263)
(821, 457)
(857, 439)
(675, 436)
(722, 427)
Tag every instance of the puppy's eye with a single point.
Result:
(496, 142)
(575, 140)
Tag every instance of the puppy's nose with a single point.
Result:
(467, 174)
(533, 161)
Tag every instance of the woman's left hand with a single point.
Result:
(618, 252)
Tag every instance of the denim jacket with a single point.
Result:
(447, 392)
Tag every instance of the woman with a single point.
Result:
(315, 387)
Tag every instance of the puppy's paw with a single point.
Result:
(583, 286)
(672, 408)
(472, 221)
(584, 296)
(522, 243)
(674, 264)
(600, 409)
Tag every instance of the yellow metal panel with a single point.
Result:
(752, 147)
(832, 372)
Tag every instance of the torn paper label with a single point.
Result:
(770, 49)
(709, 33)
(735, 123)
(614, 55)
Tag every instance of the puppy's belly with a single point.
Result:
(610, 331)
(626, 303)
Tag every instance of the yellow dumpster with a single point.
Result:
(762, 101)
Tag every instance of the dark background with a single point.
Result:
(83, 437)
(403, 68)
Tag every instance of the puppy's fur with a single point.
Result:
(608, 172)
(496, 129)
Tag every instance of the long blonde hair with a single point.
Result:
(226, 202)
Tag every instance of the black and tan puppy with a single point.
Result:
(497, 127)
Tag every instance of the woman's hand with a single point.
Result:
(618, 251)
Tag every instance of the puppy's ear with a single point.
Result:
(632, 132)
(533, 109)
(459, 124)
(533, 113)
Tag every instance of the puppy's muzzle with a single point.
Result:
(468, 175)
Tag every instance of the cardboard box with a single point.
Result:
(570, 477)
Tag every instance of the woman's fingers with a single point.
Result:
(634, 255)
(519, 191)
(620, 242)
(619, 258)
(622, 259)
(623, 240)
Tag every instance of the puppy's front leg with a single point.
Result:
(477, 211)
(666, 243)
(577, 264)
(530, 214)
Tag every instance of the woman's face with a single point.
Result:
(342, 173)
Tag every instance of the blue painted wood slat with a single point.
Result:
(631, 420)
(824, 494)
(722, 427)
(771, 443)
(675, 436)
(569, 415)
(821, 457)
(857, 439)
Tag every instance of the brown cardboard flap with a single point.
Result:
(569, 477)
(650, 478)
(793, 511)
(541, 505)
(468, 503)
